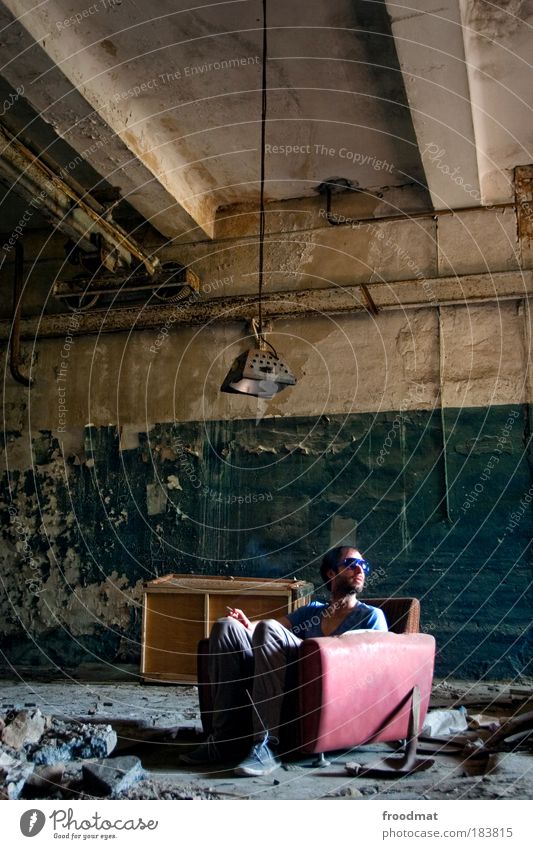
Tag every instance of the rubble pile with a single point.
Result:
(42, 756)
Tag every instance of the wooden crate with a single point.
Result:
(179, 610)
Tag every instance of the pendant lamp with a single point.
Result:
(260, 371)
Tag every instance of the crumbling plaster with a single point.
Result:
(44, 538)
(263, 498)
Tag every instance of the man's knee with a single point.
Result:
(226, 627)
(267, 628)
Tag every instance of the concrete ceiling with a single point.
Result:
(467, 66)
(164, 102)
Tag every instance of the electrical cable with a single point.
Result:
(262, 177)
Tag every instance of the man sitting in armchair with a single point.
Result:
(266, 652)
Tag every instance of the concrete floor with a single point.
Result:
(169, 724)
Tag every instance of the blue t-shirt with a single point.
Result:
(306, 621)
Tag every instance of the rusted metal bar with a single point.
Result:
(111, 284)
(399, 295)
(372, 308)
(47, 192)
(340, 220)
(14, 342)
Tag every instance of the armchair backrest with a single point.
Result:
(402, 614)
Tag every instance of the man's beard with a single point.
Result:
(345, 587)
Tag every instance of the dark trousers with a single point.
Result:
(250, 673)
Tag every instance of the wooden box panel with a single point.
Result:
(256, 607)
(174, 623)
(179, 610)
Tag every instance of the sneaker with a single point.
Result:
(260, 761)
(206, 753)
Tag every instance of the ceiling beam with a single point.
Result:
(497, 38)
(429, 42)
(85, 55)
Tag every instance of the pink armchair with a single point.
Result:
(353, 689)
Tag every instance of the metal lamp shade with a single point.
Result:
(259, 373)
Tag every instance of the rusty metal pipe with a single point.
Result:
(14, 342)
(492, 287)
(73, 214)
(340, 220)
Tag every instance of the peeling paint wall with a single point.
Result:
(82, 531)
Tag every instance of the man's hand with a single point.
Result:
(239, 616)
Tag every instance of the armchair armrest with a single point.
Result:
(402, 613)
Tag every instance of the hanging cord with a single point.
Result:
(262, 191)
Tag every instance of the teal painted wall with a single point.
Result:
(247, 498)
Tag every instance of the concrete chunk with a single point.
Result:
(67, 741)
(25, 727)
(111, 775)
(13, 775)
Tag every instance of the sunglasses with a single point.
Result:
(354, 562)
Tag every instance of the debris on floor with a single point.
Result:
(440, 723)
(14, 772)
(68, 739)
(32, 743)
(152, 788)
(483, 720)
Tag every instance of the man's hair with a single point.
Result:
(329, 561)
